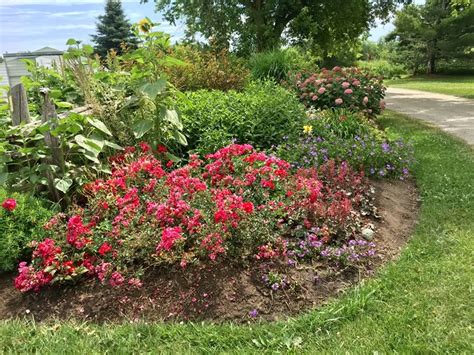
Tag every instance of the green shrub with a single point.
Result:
(205, 69)
(261, 115)
(19, 227)
(277, 64)
(382, 68)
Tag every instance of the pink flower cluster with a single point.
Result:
(200, 212)
(348, 88)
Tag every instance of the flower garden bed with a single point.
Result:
(221, 290)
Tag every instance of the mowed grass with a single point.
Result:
(423, 303)
(443, 84)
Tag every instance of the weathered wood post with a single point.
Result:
(50, 116)
(19, 105)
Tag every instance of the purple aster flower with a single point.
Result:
(253, 313)
(275, 286)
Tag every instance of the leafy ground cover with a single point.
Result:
(421, 303)
(443, 84)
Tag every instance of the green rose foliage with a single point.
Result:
(19, 227)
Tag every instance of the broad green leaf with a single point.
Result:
(153, 89)
(63, 184)
(63, 104)
(141, 128)
(94, 146)
(113, 145)
(88, 49)
(99, 125)
(173, 157)
(180, 138)
(172, 117)
(91, 157)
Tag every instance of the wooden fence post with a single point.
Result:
(19, 104)
(50, 116)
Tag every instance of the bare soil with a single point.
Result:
(221, 292)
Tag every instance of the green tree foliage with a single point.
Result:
(113, 30)
(258, 25)
(437, 30)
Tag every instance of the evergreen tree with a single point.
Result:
(113, 30)
(438, 30)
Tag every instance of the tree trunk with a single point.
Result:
(432, 64)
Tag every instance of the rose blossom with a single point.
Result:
(321, 90)
(347, 91)
(345, 84)
(365, 100)
(339, 101)
(9, 204)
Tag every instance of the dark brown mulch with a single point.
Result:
(220, 292)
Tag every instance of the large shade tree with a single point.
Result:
(436, 30)
(258, 25)
(113, 30)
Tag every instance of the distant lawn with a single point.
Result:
(423, 303)
(443, 84)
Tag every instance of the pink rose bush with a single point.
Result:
(236, 204)
(347, 88)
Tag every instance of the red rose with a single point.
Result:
(248, 207)
(105, 248)
(144, 146)
(161, 148)
(9, 204)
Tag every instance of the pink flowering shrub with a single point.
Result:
(238, 204)
(348, 88)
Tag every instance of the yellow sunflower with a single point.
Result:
(144, 25)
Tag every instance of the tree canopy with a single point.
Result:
(258, 25)
(439, 29)
(113, 30)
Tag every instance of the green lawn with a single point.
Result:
(424, 303)
(444, 84)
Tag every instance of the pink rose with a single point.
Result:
(314, 98)
(365, 100)
(339, 101)
(356, 83)
(9, 204)
(321, 91)
(347, 91)
(345, 85)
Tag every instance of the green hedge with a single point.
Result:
(19, 227)
(261, 115)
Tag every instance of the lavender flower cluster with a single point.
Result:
(275, 281)
(353, 251)
(378, 158)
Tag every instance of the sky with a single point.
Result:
(28, 25)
